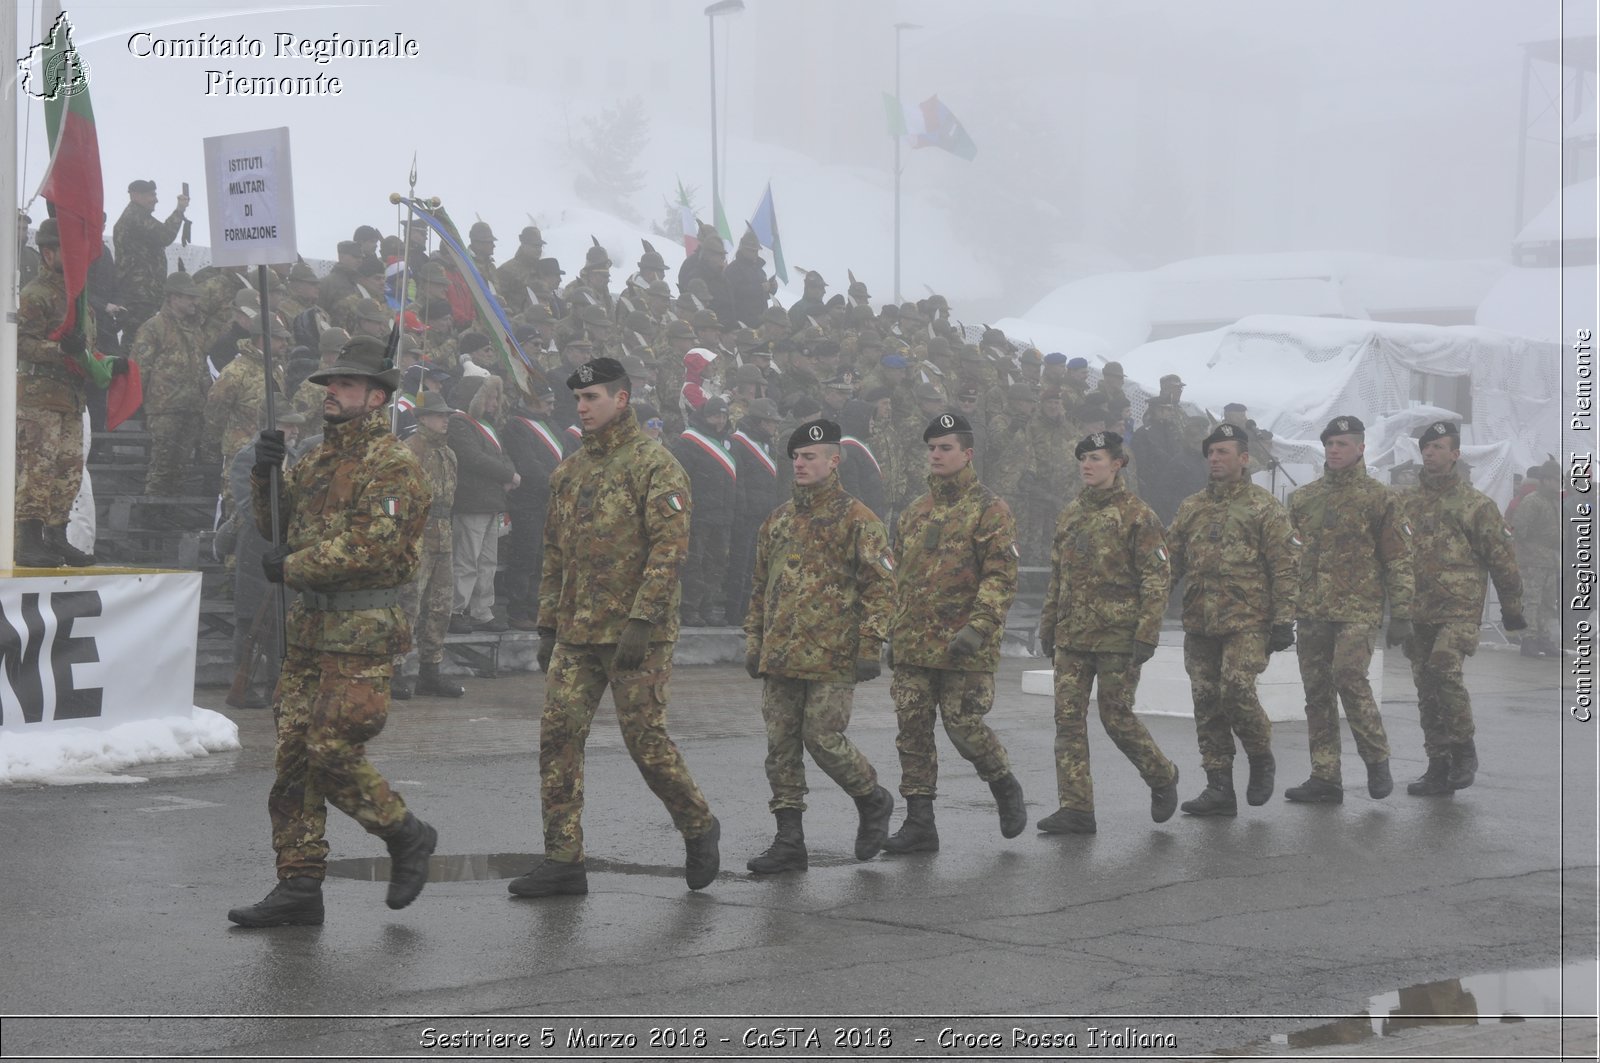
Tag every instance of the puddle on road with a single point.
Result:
(1504, 997)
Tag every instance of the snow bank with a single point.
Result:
(65, 755)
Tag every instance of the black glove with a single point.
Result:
(888, 655)
(752, 665)
(271, 450)
(1280, 637)
(272, 563)
(1512, 621)
(119, 365)
(867, 668)
(73, 343)
(547, 646)
(1399, 631)
(967, 642)
(1047, 648)
(1143, 651)
(632, 646)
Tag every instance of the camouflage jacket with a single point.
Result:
(1357, 548)
(616, 533)
(957, 554)
(1234, 544)
(822, 592)
(141, 249)
(438, 461)
(172, 363)
(58, 385)
(237, 403)
(336, 287)
(1457, 537)
(1109, 574)
(352, 512)
(1538, 528)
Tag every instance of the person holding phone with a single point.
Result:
(140, 245)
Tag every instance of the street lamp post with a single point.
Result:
(898, 28)
(721, 7)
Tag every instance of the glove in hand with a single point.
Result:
(73, 343)
(271, 450)
(752, 665)
(867, 668)
(1512, 621)
(1399, 631)
(967, 642)
(1281, 637)
(272, 563)
(547, 646)
(632, 646)
(1143, 651)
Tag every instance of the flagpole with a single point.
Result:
(8, 297)
(405, 267)
(280, 605)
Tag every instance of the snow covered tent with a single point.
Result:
(1297, 373)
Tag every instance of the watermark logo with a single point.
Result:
(53, 69)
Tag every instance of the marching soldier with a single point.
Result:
(171, 355)
(352, 513)
(1459, 538)
(427, 598)
(141, 252)
(1109, 576)
(1357, 552)
(821, 597)
(1234, 544)
(608, 616)
(957, 554)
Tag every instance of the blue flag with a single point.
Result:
(765, 225)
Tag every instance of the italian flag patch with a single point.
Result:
(1161, 552)
(887, 562)
(1015, 552)
(390, 507)
(675, 503)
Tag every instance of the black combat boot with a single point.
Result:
(1380, 783)
(55, 537)
(1068, 821)
(1217, 799)
(292, 902)
(917, 834)
(410, 846)
(702, 859)
(1434, 781)
(1463, 765)
(550, 877)
(31, 550)
(875, 809)
(1315, 791)
(1164, 799)
(1263, 775)
(431, 684)
(788, 849)
(1008, 802)
(401, 688)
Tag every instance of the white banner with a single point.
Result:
(97, 650)
(250, 198)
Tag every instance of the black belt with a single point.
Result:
(49, 372)
(343, 601)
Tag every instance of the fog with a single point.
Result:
(1111, 134)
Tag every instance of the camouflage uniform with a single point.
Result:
(426, 599)
(172, 366)
(1356, 552)
(957, 554)
(617, 531)
(1458, 538)
(141, 251)
(1109, 577)
(820, 599)
(50, 405)
(237, 403)
(1234, 543)
(1049, 481)
(352, 512)
(1538, 538)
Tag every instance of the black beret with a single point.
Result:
(1343, 426)
(811, 433)
(946, 424)
(1096, 441)
(141, 186)
(1223, 433)
(596, 371)
(1439, 430)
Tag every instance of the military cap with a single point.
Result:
(773, 315)
(814, 432)
(349, 249)
(1546, 471)
(362, 356)
(712, 244)
(180, 284)
(594, 316)
(550, 266)
(680, 330)
(433, 402)
(968, 391)
(760, 350)
(332, 339)
(1439, 430)
(705, 319)
(938, 302)
(802, 405)
(1232, 406)
(596, 258)
(634, 366)
(141, 186)
(890, 310)
(248, 302)
(596, 371)
(1032, 356)
(1173, 379)
(698, 288)
(472, 341)
(659, 288)
(946, 424)
(530, 236)
(639, 321)
(749, 241)
(841, 383)
(1096, 441)
(539, 313)
(836, 303)
(712, 406)
(1055, 358)
(540, 390)
(302, 272)
(1341, 426)
(893, 361)
(366, 232)
(993, 336)
(480, 231)
(289, 416)
(651, 259)
(813, 278)
(1078, 362)
(371, 311)
(743, 337)
(578, 340)
(749, 374)
(1224, 433)
(1112, 370)
(763, 410)
(877, 394)
(927, 393)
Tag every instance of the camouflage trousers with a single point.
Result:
(1542, 599)
(1333, 669)
(1119, 679)
(961, 700)
(578, 677)
(174, 439)
(810, 716)
(1222, 677)
(327, 707)
(1435, 652)
(426, 601)
(49, 464)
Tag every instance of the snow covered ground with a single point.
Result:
(60, 756)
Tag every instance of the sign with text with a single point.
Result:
(250, 195)
(97, 651)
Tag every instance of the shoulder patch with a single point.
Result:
(886, 561)
(675, 502)
(1295, 540)
(1405, 526)
(390, 506)
(1161, 552)
(1015, 552)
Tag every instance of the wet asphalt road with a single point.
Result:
(114, 895)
